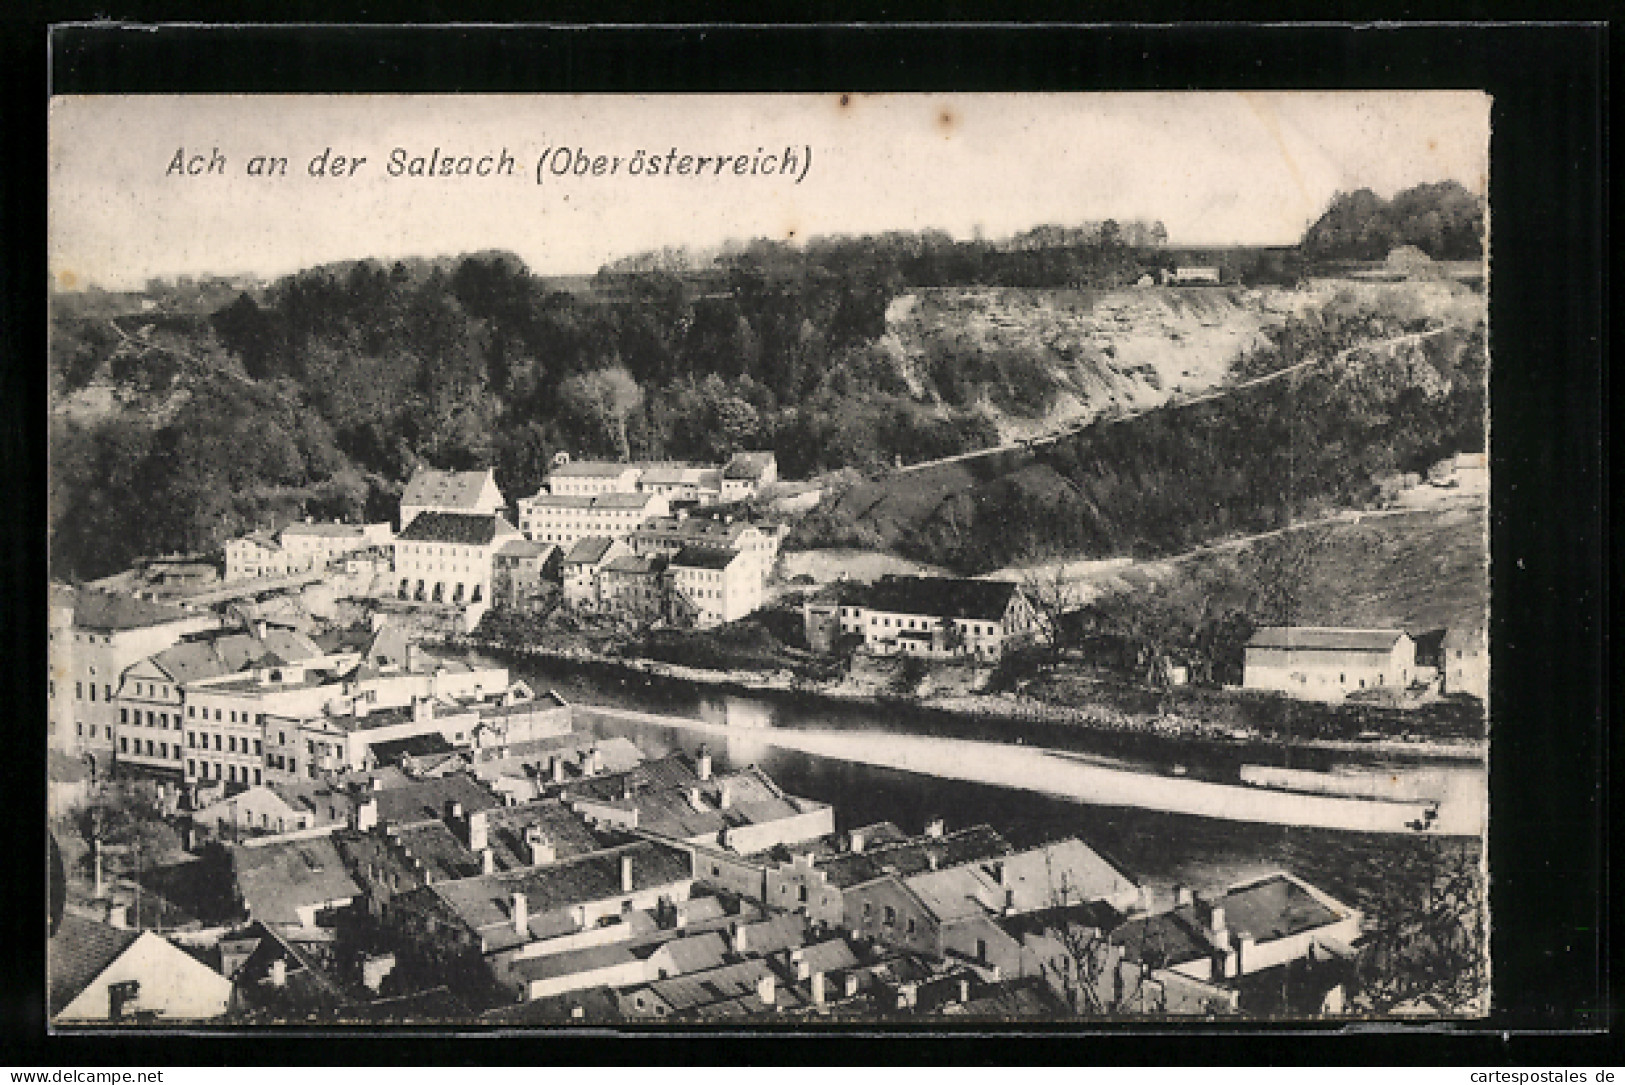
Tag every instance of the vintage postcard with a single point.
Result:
(554, 561)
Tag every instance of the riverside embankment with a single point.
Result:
(1457, 811)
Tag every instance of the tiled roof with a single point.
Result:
(276, 880)
(424, 800)
(612, 500)
(635, 566)
(327, 531)
(703, 557)
(914, 856)
(523, 548)
(592, 469)
(1064, 872)
(1274, 907)
(110, 612)
(572, 962)
(734, 981)
(449, 489)
(458, 528)
(80, 951)
(484, 903)
(1320, 639)
(699, 530)
(391, 751)
(673, 770)
(831, 956)
(561, 827)
(588, 551)
(783, 931)
(939, 596)
(697, 952)
(753, 800)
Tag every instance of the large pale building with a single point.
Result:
(461, 492)
(94, 637)
(1326, 663)
(566, 519)
(445, 557)
(936, 617)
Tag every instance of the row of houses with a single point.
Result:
(675, 890)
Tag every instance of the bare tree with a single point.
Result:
(1430, 950)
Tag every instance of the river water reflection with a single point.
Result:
(1160, 848)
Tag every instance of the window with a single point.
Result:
(257, 747)
(107, 693)
(256, 776)
(81, 730)
(163, 750)
(191, 739)
(191, 711)
(217, 742)
(191, 767)
(217, 714)
(124, 715)
(78, 691)
(891, 916)
(868, 909)
(123, 745)
(293, 765)
(911, 925)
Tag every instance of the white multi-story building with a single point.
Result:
(582, 569)
(588, 478)
(164, 727)
(757, 541)
(747, 473)
(312, 546)
(463, 492)
(711, 586)
(567, 519)
(683, 482)
(445, 557)
(257, 555)
(94, 637)
(935, 617)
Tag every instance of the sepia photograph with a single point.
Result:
(541, 561)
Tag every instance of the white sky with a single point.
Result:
(1214, 167)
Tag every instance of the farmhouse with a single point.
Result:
(1328, 664)
(936, 617)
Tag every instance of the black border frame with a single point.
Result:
(1550, 752)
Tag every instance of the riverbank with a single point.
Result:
(1457, 811)
(1027, 714)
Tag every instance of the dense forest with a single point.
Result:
(1443, 220)
(191, 412)
(1174, 478)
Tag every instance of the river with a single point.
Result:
(1156, 846)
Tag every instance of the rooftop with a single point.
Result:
(112, 613)
(939, 596)
(1324, 639)
(523, 548)
(703, 557)
(589, 550)
(328, 531)
(276, 880)
(592, 469)
(424, 800)
(485, 902)
(914, 856)
(448, 489)
(80, 951)
(457, 528)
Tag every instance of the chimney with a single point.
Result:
(118, 917)
(478, 830)
(849, 985)
(1216, 921)
(964, 989)
(818, 988)
(558, 769)
(702, 764)
(488, 861)
(1144, 900)
(798, 957)
(376, 783)
(740, 939)
(1009, 902)
(279, 973)
(767, 990)
(454, 810)
(855, 841)
(725, 797)
(933, 829)
(1183, 897)
(1001, 873)
(366, 814)
(521, 914)
(932, 859)
(540, 848)
(695, 800)
(1244, 950)
(626, 873)
(577, 1012)
(422, 710)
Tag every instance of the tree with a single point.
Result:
(1429, 950)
